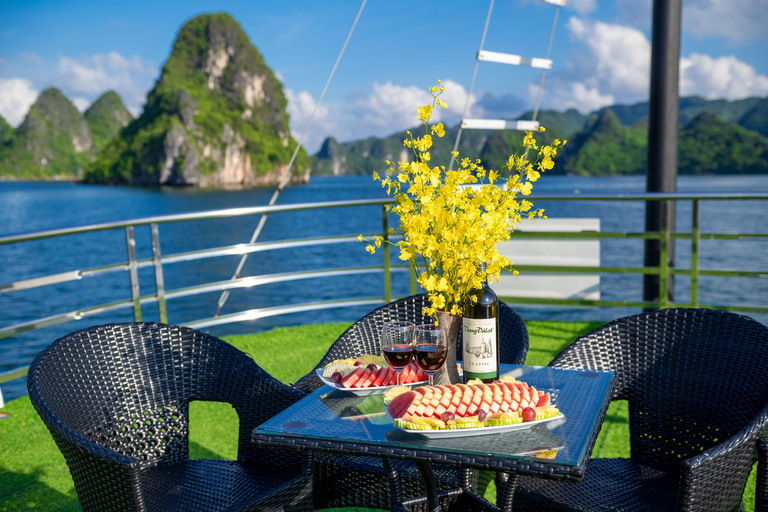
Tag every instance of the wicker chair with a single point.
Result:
(696, 385)
(116, 397)
(344, 481)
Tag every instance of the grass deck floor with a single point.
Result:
(34, 476)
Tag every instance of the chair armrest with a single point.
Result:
(91, 465)
(308, 383)
(761, 488)
(715, 478)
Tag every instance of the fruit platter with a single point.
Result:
(470, 409)
(368, 374)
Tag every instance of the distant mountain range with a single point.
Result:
(55, 140)
(716, 137)
(216, 117)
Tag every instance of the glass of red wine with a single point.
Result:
(397, 344)
(430, 348)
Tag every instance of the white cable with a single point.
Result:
(543, 73)
(471, 84)
(288, 173)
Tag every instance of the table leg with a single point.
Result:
(429, 485)
(395, 486)
(505, 490)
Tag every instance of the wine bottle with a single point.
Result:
(480, 331)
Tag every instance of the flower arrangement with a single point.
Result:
(451, 220)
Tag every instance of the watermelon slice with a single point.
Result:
(380, 376)
(400, 404)
(362, 382)
(349, 380)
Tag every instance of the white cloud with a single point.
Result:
(16, 96)
(81, 103)
(723, 77)
(575, 95)
(388, 108)
(91, 75)
(613, 66)
(32, 58)
(582, 7)
(734, 20)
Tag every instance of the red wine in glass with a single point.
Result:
(431, 349)
(398, 355)
(397, 344)
(431, 357)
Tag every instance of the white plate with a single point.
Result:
(361, 391)
(479, 431)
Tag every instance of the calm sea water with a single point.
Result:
(28, 207)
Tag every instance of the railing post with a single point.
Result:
(130, 245)
(157, 261)
(385, 252)
(695, 237)
(663, 256)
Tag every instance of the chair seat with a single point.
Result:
(226, 485)
(608, 484)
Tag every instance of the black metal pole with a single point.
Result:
(663, 113)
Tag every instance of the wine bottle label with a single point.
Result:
(479, 357)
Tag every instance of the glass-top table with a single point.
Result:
(336, 421)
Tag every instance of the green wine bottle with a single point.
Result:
(480, 332)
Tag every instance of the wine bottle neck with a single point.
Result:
(483, 268)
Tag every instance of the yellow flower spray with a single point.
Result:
(451, 221)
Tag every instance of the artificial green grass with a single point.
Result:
(34, 476)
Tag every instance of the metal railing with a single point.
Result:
(161, 295)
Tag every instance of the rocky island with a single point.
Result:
(216, 117)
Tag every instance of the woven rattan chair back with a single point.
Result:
(692, 377)
(127, 388)
(364, 337)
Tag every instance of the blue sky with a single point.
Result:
(601, 54)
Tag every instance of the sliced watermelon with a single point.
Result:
(380, 376)
(349, 380)
(400, 404)
(543, 400)
(363, 380)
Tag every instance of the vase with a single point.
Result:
(450, 324)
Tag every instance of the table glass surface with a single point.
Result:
(332, 415)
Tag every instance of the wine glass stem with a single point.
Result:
(431, 376)
(398, 370)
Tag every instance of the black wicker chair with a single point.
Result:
(696, 382)
(344, 481)
(115, 398)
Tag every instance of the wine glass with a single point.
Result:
(431, 349)
(397, 344)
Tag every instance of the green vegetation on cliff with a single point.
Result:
(607, 147)
(364, 156)
(6, 132)
(217, 108)
(690, 107)
(756, 119)
(598, 144)
(708, 145)
(105, 118)
(52, 141)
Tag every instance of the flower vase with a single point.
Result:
(450, 324)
